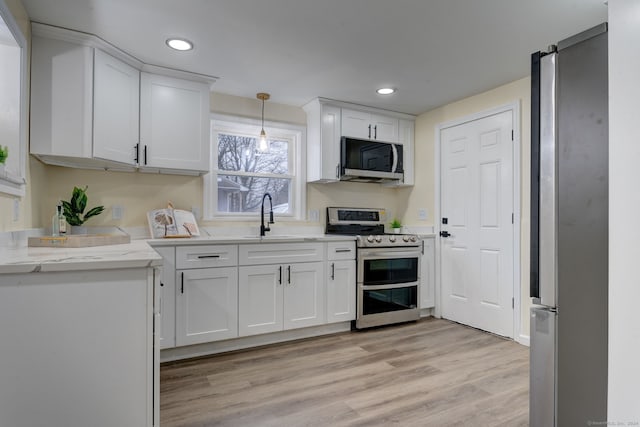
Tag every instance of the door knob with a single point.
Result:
(445, 234)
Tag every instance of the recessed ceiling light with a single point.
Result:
(179, 44)
(386, 91)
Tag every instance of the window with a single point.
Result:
(241, 174)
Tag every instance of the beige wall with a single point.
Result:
(422, 195)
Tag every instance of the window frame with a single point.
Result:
(297, 166)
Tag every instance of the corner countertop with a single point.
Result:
(137, 254)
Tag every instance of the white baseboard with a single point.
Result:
(206, 349)
(524, 340)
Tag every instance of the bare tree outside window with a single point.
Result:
(245, 173)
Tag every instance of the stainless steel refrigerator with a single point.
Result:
(569, 232)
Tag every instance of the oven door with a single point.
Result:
(388, 286)
(388, 266)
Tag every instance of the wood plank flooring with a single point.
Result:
(429, 373)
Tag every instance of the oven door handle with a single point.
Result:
(390, 286)
(385, 254)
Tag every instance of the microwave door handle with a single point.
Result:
(394, 155)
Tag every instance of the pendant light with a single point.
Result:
(263, 144)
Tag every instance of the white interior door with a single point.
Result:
(477, 206)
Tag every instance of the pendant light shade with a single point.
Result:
(263, 144)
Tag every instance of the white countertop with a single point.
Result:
(138, 253)
(23, 259)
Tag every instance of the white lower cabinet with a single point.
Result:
(168, 297)
(341, 291)
(428, 273)
(206, 305)
(280, 296)
(341, 281)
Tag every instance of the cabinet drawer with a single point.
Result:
(280, 253)
(341, 250)
(206, 256)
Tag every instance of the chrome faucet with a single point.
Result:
(263, 228)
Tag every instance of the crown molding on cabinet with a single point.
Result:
(91, 40)
(351, 105)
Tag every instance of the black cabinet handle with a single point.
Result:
(342, 250)
(289, 274)
(280, 275)
(145, 154)
(208, 256)
(375, 132)
(137, 155)
(369, 131)
(182, 282)
(333, 271)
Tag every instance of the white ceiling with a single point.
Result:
(433, 51)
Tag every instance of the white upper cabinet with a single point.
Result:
(174, 124)
(366, 125)
(116, 106)
(92, 109)
(328, 121)
(323, 142)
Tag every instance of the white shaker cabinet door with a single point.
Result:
(341, 291)
(167, 297)
(356, 124)
(116, 109)
(206, 305)
(260, 290)
(428, 274)
(174, 124)
(304, 295)
(384, 128)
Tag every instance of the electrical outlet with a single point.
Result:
(117, 212)
(16, 210)
(195, 210)
(422, 214)
(314, 215)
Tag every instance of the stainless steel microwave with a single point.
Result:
(370, 161)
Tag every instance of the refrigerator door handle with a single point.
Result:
(548, 182)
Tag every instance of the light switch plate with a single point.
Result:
(117, 212)
(314, 215)
(422, 214)
(16, 210)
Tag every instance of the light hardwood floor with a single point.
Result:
(429, 373)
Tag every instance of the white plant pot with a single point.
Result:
(397, 230)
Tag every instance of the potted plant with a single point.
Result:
(396, 225)
(73, 210)
(4, 153)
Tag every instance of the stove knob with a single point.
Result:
(405, 238)
(414, 239)
(378, 239)
(392, 239)
(370, 239)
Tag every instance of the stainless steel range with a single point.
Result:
(388, 267)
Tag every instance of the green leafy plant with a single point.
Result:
(73, 210)
(396, 223)
(4, 153)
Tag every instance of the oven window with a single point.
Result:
(390, 271)
(386, 300)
